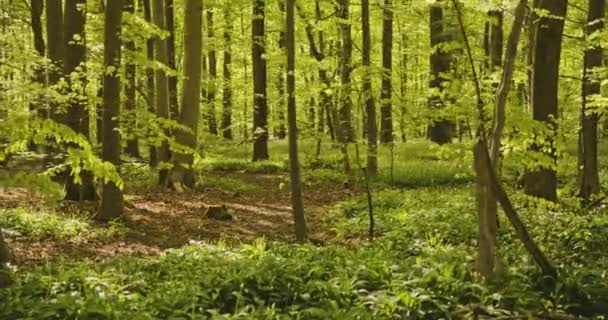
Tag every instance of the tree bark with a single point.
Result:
(368, 100)
(161, 84)
(345, 130)
(227, 98)
(37, 106)
(190, 113)
(260, 103)
(74, 68)
(212, 76)
(112, 199)
(56, 49)
(132, 148)
(171, 80)
(294, 170)
(441, 129)
(542, 181)
(386, 114)
(589, 175)
(151, 97)
(487, 203)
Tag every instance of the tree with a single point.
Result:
(74, 69)
(212, 75)
(161, 85)
(36, 9)
(542, 180)
(294, 165)
(280, 131)
(150, 94)
(190, 113)
(111, 198)
(441, 129)
(171, 80)
(368, 99)
(588, 145)
(345, 127)
(260, 103)
(132, 148)
(55, 50)
(227, 98)
(386, 112)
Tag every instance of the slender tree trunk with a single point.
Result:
(346, 132)
(161, 84)
(132, 148)
(368, 100)
(487, 201)
(151, 97)
(112, 199)
(403, 86)
(542, 182)
(56, 48)
(441, 129)
(294, 164)
(74, 68)
(37, 106)
(171, 80)
(496, 38)
(386, 114)
(190, 113)
(227, 98)
(212, 76)
(260, 106)
(280, 131)
(589, 175)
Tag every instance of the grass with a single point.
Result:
(39, 225)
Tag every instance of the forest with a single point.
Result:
(303, 159)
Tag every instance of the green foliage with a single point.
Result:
(47, 225)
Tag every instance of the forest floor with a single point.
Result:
(259, 204)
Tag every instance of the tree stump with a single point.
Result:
(218, 212)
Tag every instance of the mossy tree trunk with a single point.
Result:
(260, 103)
(190, 112)
(542, 181)
(112, 199)
(589, 175)
(294, 164)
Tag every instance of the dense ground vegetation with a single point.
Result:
(283, 159)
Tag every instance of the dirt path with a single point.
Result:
(157, 221)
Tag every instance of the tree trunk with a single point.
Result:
(132, 148)
(111, 200)
(496, 38)
(368, 100)
(294, 164)
(227, 98)
(386, 114)
(37, 106)
(345, 130)
(56, 49)
(487, 202)
(589, 175)
(151, 97)
(77, 118)
(441, 129)
(260, 107)
(161, 84)
(542, 182)
(212, 76)
(171, 80)
(280, 131)
(190, 113)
